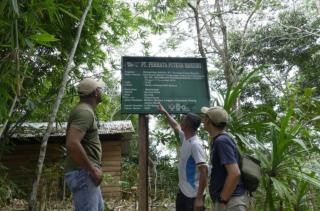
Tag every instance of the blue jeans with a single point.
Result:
(86, 194)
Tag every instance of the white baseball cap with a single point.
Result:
(216, 114)
(88, 85)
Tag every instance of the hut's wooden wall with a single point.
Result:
(111, 165)
(22, 160)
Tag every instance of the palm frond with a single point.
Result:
(282, 189)
(233, 93)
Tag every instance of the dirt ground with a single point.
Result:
(122, 205)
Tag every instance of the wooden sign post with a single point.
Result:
(143, 162)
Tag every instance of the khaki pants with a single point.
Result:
(236, 203)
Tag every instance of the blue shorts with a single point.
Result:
(86, 194)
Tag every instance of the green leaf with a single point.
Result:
(15, 6)
(3, 6)
(43, 38)
(316, 118)
(258, 4)
(5, 46)
(313, 180)
(233, 93)
(282, 189)
(283, 136)
(29, 43)
(300, 143)
(68, 13)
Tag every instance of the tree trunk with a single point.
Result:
(43, 148)
(228, 70)
(318, 5)
(222, 50)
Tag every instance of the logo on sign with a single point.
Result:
(178, 107)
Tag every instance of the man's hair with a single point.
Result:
(221, 125)
(92, 94)
(193, 121)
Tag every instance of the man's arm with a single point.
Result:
(232, 180)
(172, 122)
(78, 154)
(203, 175)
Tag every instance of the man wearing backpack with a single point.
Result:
(226, 187)
(192, 168)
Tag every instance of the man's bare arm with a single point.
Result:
(172, 122)
(232, 180)
(203, 177)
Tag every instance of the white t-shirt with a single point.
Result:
(191, 154)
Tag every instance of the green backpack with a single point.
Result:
(250, 172)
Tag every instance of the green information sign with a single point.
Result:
(179, 84)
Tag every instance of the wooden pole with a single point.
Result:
(143, 162)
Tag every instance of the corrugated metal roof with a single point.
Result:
(29, 130)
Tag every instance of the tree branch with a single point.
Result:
(298, 29)
(210, 33)
(242, 47)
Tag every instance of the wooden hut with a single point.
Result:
(22, 158)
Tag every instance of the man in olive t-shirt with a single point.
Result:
(83, 172)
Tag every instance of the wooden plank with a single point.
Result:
(109, 189)
(111, 195)
(113, 158)
(109, 145)
(114, 185)
(114, 173)
(111, 163)
(30, 152)
(111, 169)
(107, 156)
(112, 153)
(27, 161)
(112, 178)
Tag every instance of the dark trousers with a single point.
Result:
(184, 203)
